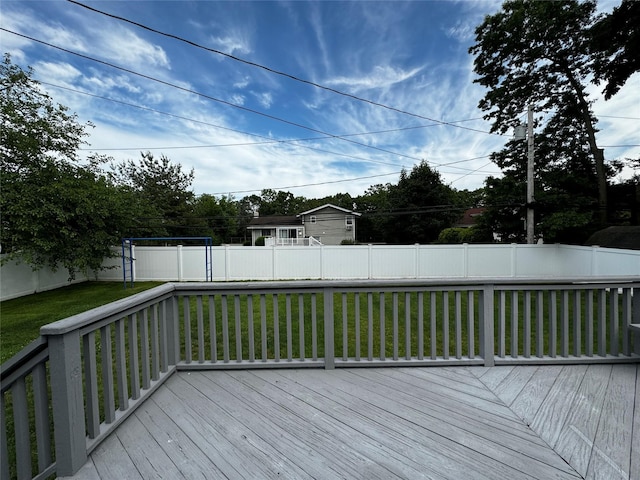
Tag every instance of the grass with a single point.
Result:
(358, 334)
(21, 318)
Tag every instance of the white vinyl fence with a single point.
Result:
(18, 279)
(236, 263)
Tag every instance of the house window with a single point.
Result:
(348, 220)
(287, 233)
(266, 232)
(312, 219)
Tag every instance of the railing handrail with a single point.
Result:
(119, 307)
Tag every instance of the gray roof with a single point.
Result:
(274, 220)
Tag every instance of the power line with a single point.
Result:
(308, 184)
(269, 140)
(188, 119)
(209, 97)
(621, 118)
(277, 72)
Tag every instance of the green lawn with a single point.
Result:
(21, 318)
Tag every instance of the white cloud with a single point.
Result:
(382, 76)
(243, 83)
(237, 99)
(265, 99)
(126, 47)
(462, 31)
(236, 43)
(60, 72)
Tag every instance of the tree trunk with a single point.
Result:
(598, 153)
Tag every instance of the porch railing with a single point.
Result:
(87, 373)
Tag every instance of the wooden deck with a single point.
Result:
(565, 422)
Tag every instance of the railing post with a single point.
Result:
(67, 402)
(172, 326)
(329, 347)
(487, 340)
(635, 319)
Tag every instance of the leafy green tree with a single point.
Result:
(63, 215)
(470, 198)
(217, 218)
(615, 43)
(55, 212)
(163, 191)
(35, 130)
(342, 200)
(272, 202)
(625, 197)
(376, 210)
(457, 235)
(537, 53)
(566, 206)
(422, 207)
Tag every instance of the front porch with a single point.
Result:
(516, 422)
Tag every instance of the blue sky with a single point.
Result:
(238, 133)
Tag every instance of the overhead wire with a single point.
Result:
(277, 72)
(269, 140)
(209, 97)
(329, 182)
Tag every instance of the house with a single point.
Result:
(470, 217)
(325, 225)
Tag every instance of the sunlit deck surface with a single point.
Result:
(524, 422)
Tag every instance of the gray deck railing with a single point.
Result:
(71, 388)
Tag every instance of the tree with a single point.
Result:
(55, 212)
(375, 207)
(35, 130)
(615, 43)
(163, 192)
(566, 206)
(422, 207)
(217, 218)
(272, 202)
(63, 215)
(537, 53)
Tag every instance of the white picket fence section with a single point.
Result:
(345, 262)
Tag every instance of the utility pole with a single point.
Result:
(530, 200)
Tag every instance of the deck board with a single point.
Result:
(497, 449)
(531, 397)
(383, 423)
(612, 445)
(575, 441)
(509, 388)
(463, 407)
(554, 411)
